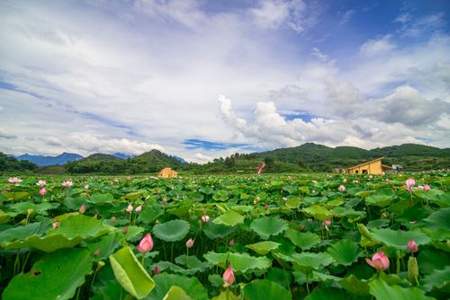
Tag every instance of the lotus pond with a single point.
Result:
(271, 237)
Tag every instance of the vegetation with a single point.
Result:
(11, 164)
(272, 237)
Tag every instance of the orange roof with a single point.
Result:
(366, 163)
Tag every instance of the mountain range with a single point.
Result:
(306, 157)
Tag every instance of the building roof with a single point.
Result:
(366, 163)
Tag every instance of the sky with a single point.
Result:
(204, 79)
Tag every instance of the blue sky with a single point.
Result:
(203, 79)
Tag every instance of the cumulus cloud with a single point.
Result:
(377, 46)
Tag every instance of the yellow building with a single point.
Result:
(374, 167)
(167, 173)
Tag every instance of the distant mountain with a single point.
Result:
(122, 155)
(42, 160)
(151, 161)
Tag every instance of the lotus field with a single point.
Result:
(270, 237)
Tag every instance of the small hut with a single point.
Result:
(374, 167)
(167, 173)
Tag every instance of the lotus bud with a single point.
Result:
(228, 276)
(55, 225)
(30, 211)
(146, 244)
(426, 188)
(82, 209)
(410, 183)
(41, 183)
(379, 261)
(341, 188)
(138, 209)
(129, 208)
(412, 246)
(205, 218)
(100, 265)
(231, 243)
(413, 270)
(156, 270)
(42, 191)
(190, 243)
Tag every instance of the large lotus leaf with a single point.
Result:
(176, 293)
(241, 262)
(440, 219)
(98, 198)
(130, 273)
(381, 198)
(304, 240)
(134, 232)
(382, 291)
(327, 293)
(397, 238)
(280, 276)
(230, 218)
(437, 279)
(16, 196)
(226, 295)
(55, 276)
(48, 243)
(191, 286)
(81, 226)
(22, 232)
(355, 286)
(267, 290)
(215, 231)
(4, 217)
(431, 259)
(309, 260)
(267, 226)
(345, 252)
(150, 213)
(262, 248)
(318, 212)
(25, 207)
(351, 214)
(105, 246)
(171, 231)
(192, 263)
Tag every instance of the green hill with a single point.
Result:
(151, 161)
(11, 164)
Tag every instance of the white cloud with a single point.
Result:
(377, 46)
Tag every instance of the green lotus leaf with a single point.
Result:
(262, 248)
(344, 252)
(105, 246)
(171, 231)
(265, 289)
(438, 279)
(318, 212)
(307, 276)
(55, 276)
(226, 295)
(215, 231)
(327, 293)
(304, 240)
(397, 238)
(150, 213)
(241, 262)
(382, 291)
(267, 226)
(48, 243)
(176, 293)
(354, 285)
(280, 276)
(40, 208)
(230, 218)
(134, 232)
(440, 219)
(22, 232)
(4, 217)
(191, 286)
(130, 273)
(309, 260)
(192, 263)
(81, 226)
(381, 198)
(101, 198)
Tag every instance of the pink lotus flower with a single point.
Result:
(14, 180)
(412, 246)
(228, 276)
(205, 218)
(190, 243)
(129, 208)
(146, 244)
(327, 222)
(410, 183)
(341, 188)
(82, 209)
(138, 209)
(67, 183)
(379, 261)
(426, 188)
(41, 183)
(42, 191)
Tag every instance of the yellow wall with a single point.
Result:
(374, 168)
